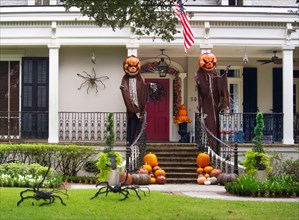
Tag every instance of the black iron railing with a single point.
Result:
(223, 156)
(239, 127)
(23, 125)
(90, 126)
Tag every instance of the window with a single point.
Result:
(235, 2)
(42, 2)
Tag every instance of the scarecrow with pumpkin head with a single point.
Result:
(135, 91)
(213, 95)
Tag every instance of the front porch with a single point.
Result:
(90, 126)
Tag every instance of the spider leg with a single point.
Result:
(99, 192)
(125, 193)
(61, 191)
(86, 81)
(96, 88)
(47, 203)
(87, 74)
(55, 196)
(84, 77)
(137, 194)
(23, 198)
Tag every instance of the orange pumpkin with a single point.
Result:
(151, 159)
(208, 169)
(207, 62)
(160, 173)
(203, 159)
(206, 175)
(201, 180)
(153, 180)
(147, 167)
(132, 65)
(199, 170)
(156, 168)
(182, 110)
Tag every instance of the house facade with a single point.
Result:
(46, 68)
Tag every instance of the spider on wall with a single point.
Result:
(92, 79)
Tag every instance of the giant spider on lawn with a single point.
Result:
(46, 195)
(121, 188)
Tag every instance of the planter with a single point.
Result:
(183, 132)
(114, 177)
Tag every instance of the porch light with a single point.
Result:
(163, 63)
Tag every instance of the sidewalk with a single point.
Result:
(197, 191)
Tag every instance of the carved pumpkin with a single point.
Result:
(207, 62)
(203, 159)
(151, 159)
(131, 65)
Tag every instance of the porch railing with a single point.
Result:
(239, 127)
(90, 126)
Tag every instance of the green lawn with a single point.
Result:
(154, 206)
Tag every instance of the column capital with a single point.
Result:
(288, 47)
(53, 46)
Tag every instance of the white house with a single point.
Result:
(43, 48)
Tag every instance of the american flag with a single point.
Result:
(187, 32)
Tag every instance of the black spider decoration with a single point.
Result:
(91, 80)
(46, 195)
(120, 188)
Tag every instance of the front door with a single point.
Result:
(157, 127)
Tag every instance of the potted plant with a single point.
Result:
(256, 159)
(108, 159)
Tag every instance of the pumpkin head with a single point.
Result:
(131, 65)
(207, 62)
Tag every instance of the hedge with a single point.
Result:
(65, 159)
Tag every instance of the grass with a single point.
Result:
(157, 205)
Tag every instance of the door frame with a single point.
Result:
(170, 79)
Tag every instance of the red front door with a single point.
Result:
(157, 127)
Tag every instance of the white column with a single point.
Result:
(206, 48)
(288, 127)
(182, 77)
(53, 93)
(132, 49)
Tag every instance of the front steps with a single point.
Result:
(177, 159)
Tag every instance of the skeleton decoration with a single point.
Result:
(91, 79)
(213, 95)
(135, 92)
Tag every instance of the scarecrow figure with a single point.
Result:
(213, 95)
(135, 92)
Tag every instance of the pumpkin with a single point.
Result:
(147, 167)
(153, 180)
(160, 173)
(207, 62)
(156, 168)
(143, 171)
(199, 170)
(131, 65)
(141, 179)
(207, 182)
(215, 172)
(203, 159)
(151, 159)
(182, 110)
(201, 180)
(123, 178)
(161, 179)
(213, 180)
(206, 175)
(208, 169)
(226, 178)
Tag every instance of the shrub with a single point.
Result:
(276, 186)
(19, 174)
(66, 159)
